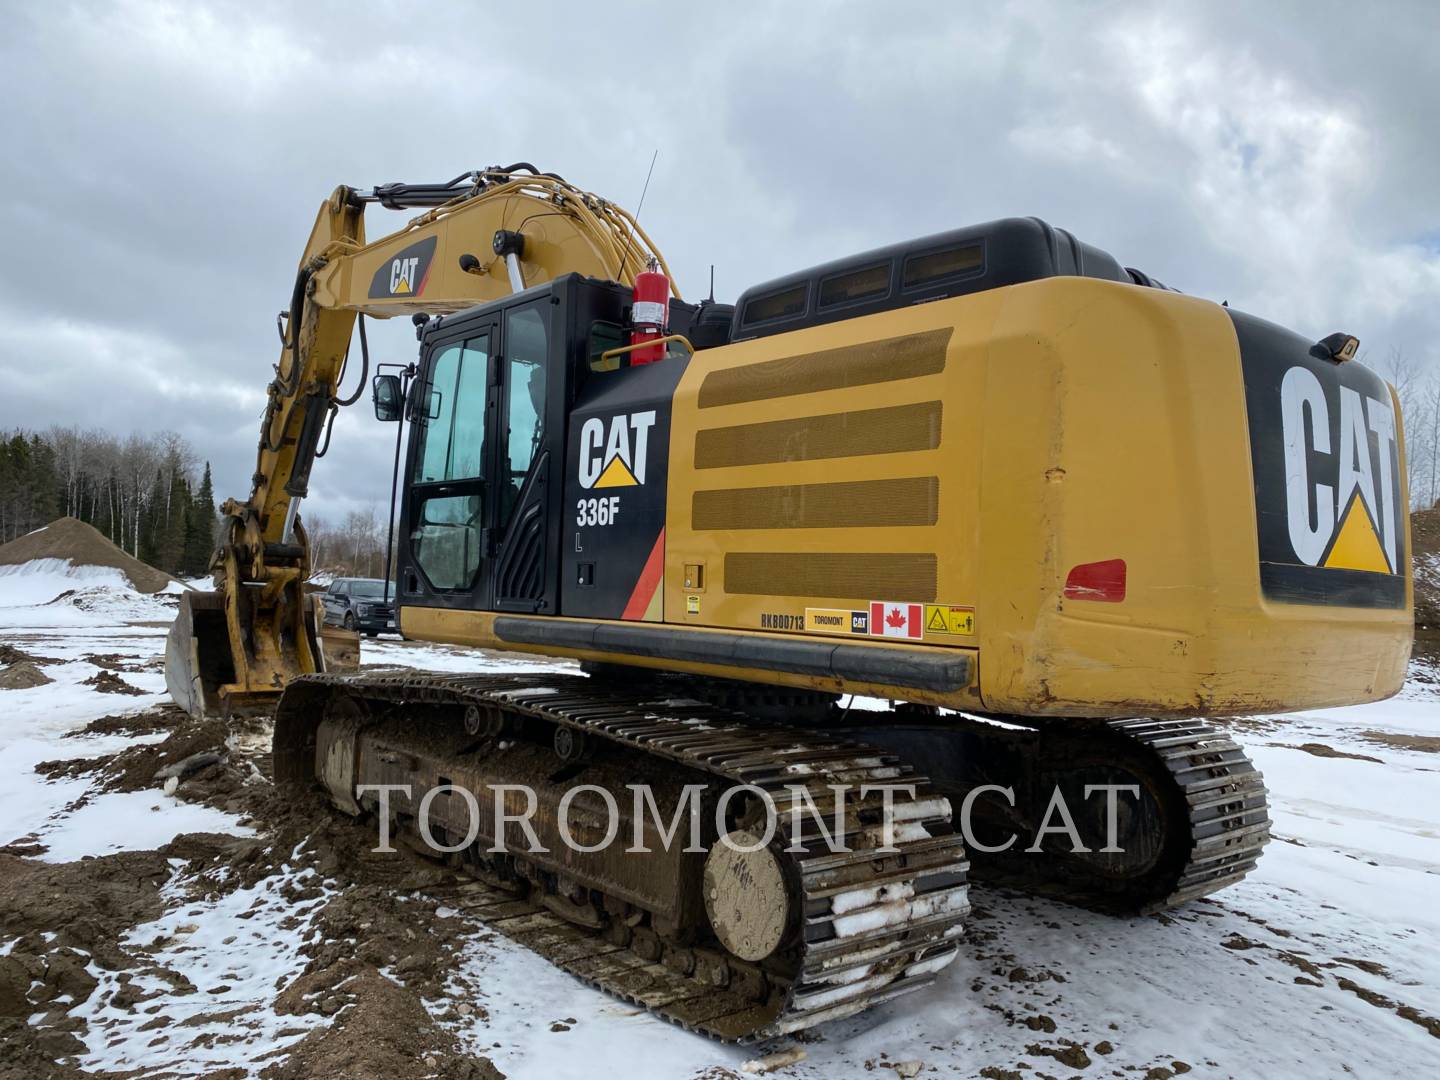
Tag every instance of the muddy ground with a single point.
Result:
(376, 913)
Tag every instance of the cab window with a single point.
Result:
(603, 337)
(869, 283)
(776, 305)
(447, 535)
(527, 351)
(453, 441)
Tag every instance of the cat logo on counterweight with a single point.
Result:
(1328, 482)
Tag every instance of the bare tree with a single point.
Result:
(1418, 388)
(354, 549)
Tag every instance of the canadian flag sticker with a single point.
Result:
(895, 620)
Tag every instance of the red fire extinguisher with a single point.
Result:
(649, 314)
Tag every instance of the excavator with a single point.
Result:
(918, 543)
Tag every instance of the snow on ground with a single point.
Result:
(129, 821)
(1321, 963)
(66, 814)
(393, 652)
(56, 593)
(235, 952)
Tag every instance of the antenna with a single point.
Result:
(641, 205)
(712, 283)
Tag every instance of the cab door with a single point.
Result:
(451, 494)
(531, 415)
(484, 474)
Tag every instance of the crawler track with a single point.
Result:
(1198, 823)
(1225, 799)
(863, 926)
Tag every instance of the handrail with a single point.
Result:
(608, 353)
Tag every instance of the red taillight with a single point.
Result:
(1104, 581)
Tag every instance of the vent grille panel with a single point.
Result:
(832, 369)
(901, 576)
(854, 504)
(893, 430)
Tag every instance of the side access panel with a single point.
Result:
(617, 468)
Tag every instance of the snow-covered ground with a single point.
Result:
(55, 593)
(1321, 964)
(235, 950)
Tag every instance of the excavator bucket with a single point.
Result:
(200, 658)
(197, 654)
(340, 648)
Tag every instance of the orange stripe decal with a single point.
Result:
(649, 581)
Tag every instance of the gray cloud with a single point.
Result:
(163, 164)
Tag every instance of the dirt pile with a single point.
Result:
(116, 662)
(107, 682)
(22, 676)
(197, 754)
(150, 722)
(11, 655)
(83, 545)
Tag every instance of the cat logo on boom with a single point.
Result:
(613, 451)
(402, 274)
(405, 273)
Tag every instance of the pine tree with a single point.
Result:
(152, 521)
(172, 533)
(14, 475)
(44, 483)
(200, 529)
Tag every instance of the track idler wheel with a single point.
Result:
(746, 897)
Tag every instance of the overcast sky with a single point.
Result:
(160, 165)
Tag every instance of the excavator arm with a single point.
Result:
(482, 236)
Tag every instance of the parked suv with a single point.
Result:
(359, 604)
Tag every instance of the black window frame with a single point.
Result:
(803, 287)
(978, 270)
(888, 266)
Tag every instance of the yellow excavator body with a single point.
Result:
(962, 457)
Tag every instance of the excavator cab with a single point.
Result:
(505, 404)
(495, 391)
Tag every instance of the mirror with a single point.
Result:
(388, 398)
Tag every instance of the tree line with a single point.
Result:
(354, 548)
(142, 492)
(150, 496)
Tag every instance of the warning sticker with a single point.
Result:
(692, 605)
(945, 619)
